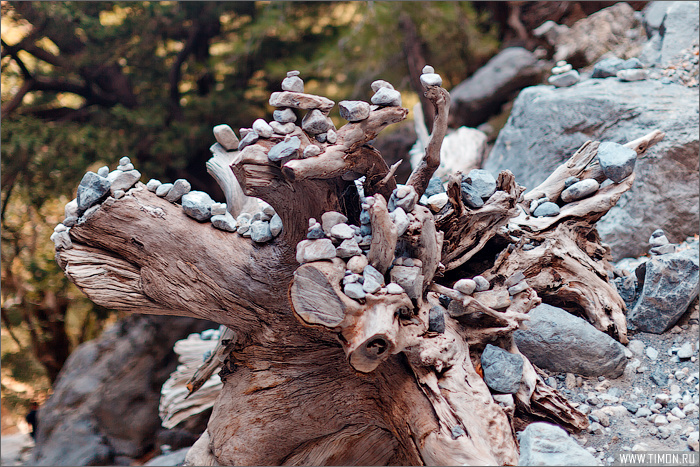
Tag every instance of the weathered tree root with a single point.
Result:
(390, 375)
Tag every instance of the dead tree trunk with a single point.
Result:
(312, 376)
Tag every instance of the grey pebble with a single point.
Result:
(284, 149)
(564, 79)
(616, 160)
(262, 128)
(315, 122)
(153, 185)
(387, 97)
(225, 136)
(276, 225)
(224, 222)
(354, 111)
(580, 190)
(260, 232)
(163, 189)
(546, 209)
(284, 116)
(180, 188)
(354, 290)
(197, 205)
(380, 83)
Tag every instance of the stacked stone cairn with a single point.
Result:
(617, 163)
(94, 189)
(563, 75)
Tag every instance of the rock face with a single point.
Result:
(494, 84)
(670, 284)
(545, 444)
(104, 408)
(559, 341)
(548, 125)
(670, 31)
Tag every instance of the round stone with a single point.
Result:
(428, 69)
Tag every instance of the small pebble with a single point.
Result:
(163, 189)
(153, 185)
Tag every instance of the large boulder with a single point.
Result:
(482, 95)
(545, 444)
(104, 406)
(671, 283)
(547, 125)
(562, 342)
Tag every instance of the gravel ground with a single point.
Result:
(609, 402)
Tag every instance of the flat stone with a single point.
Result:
(297, 100)
(514, 279)
(276, 225)
(342, 231)
(470, 196)
(558, 341)
(315, 250)
(284, 116)
(354, 111)
(311, 150)
(465, 286)
(635, 74)
(607, 67)
(564, 80)
(394, 289)
(517, 288)
(226, 137)
(546, 209)
(437, 201)
(348, 248)
(153, 185)
(330, 219)
(91, 190)
(671, 283)
(180, 188)
(163, 189)
(436, 320)
(663, 249)
(481, 283)
(370, 272)
(379, 84)
(557, 70)
(354, 290)
(293, 84)
(430, 79)
(315, 122)
(282, 128)
(284, 150)
(616, 160)
(580, 190)
(250, 138)
(502, 370)
(262, 128)
(387, 97)
(224, 222)
(123, 180)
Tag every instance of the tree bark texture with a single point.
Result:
(314, 377)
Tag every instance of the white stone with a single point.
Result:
(394, 288)
(465, 286)
(276, 225)
(400, 219)
(342, 231)
(71, 209)
(224, 222)
(315, 250)
(153, 185)
(437, 201)
(262, 128)
(311, 150)
(357, 264)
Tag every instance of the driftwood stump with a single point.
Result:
(312, 376)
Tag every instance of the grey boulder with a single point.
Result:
(91, 190)
(559, 341)
(670, 285)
